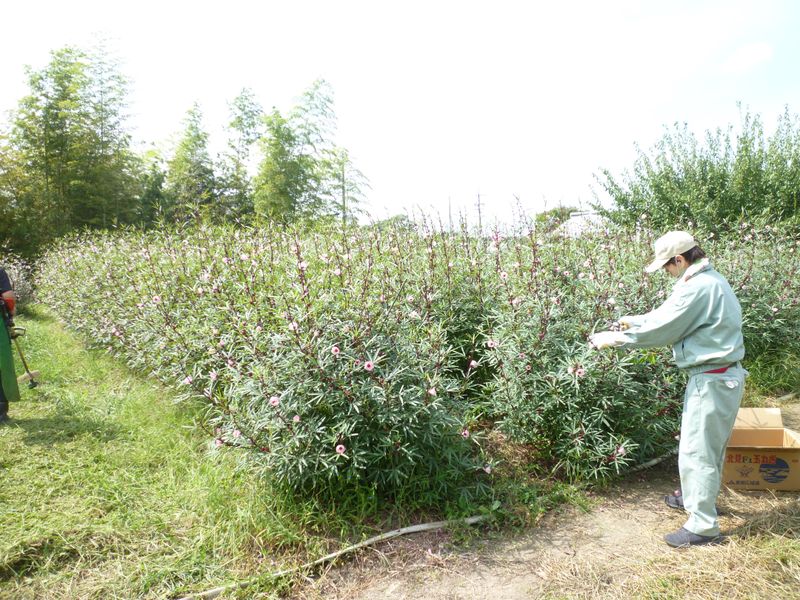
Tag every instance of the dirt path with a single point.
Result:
(570, 554)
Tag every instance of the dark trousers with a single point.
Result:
(3, 404)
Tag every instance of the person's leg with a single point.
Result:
(3, 405)
(710, 407)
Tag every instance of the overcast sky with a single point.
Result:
(441, 101)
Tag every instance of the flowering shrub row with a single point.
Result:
(20, 272)
(327, 356)
(376, 356)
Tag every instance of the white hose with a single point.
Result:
(655, 461)
(373, 540)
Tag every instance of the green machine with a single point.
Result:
(7, 374)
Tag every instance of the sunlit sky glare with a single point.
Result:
(440, 101)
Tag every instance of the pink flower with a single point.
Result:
(156, 299)
(296, 418)
(473, 364)
(465, 433)
(335, 350)
(303, 265)
(382, 298)
(570, 370)
(293, 326)
(580, 371)
(218, 442)
(503, 275)
(487, 469)
(369, 366)
(621, 285)
(237, 433)
(522, 356)
(340, 449)
(274, 401)
(432, 391)
(337, 271)
(357, 363)
(188, 380)
(528, 367)
(212, 376)
(491, 344)
(621, 451)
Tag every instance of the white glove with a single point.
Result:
(606, 339)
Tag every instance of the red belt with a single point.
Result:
(720, 370)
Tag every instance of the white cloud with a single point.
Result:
(747, 57)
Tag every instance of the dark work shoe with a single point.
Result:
(683, 538)
(674, 501)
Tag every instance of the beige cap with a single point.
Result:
(668, 246)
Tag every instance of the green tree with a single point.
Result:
(285, 182)
(235, 185)
(303, 174)
(65, 161)
(190, 188)
(153, 203)
(345, 185)
(111, 189)
(730, 175)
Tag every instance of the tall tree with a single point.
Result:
(111, 194)
(244, 130)
(286, 174)
(303, 173)
(153, 203)
(66, 162)
(344, 185)
(190, 188)
(52, 135)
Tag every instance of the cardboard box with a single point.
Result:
(762, 454)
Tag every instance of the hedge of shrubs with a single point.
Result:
(380, 356)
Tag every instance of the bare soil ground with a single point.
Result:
(606, 552)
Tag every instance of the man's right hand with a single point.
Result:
(606, 339)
